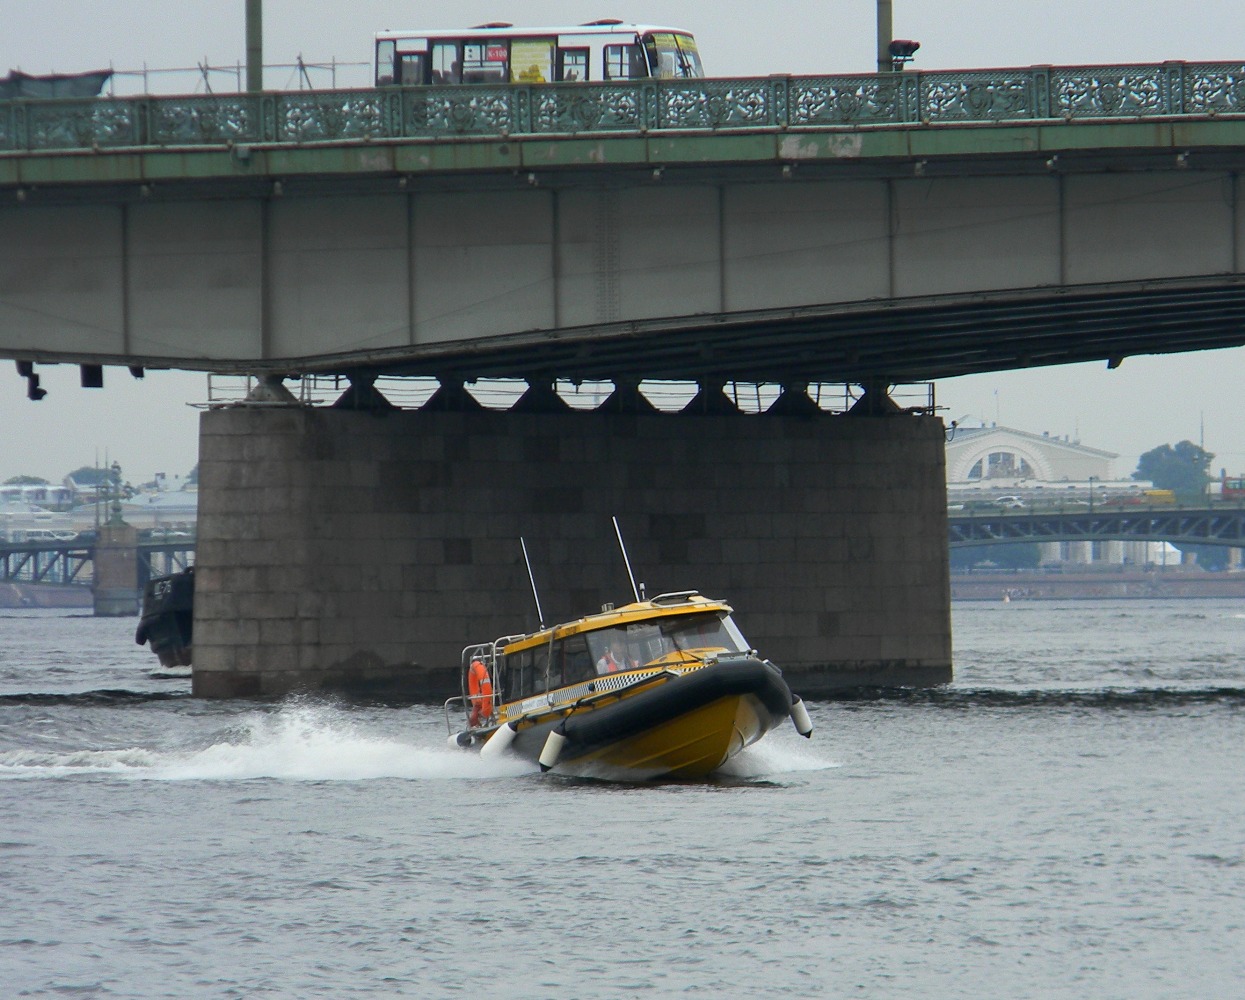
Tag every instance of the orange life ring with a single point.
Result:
(480, 692)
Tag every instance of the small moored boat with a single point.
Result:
(166, 620)
(660, 687)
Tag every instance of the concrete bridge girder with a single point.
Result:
(738, 277)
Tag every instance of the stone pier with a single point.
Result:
(114, 587)
(359, 551)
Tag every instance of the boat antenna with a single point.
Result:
(540, 615)
(627, 562)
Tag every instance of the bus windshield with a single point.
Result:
(673, 55)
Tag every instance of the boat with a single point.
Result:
(661, 688)
(166, 620)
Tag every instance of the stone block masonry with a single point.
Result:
(358, 552)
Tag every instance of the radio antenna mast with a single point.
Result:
(626, 561)
(540, 615)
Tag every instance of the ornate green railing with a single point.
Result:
(1040, 93)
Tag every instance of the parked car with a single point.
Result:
(1009, 503)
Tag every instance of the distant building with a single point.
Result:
(40, 494)
(1004, 457)
(989, 461)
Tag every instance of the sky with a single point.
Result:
(150, 425)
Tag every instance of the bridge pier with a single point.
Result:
(114, 587)
(359, 550)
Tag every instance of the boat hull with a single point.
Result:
(688, 726)
(166, 621)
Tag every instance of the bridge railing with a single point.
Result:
(1036, 93)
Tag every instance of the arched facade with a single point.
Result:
(978, 455)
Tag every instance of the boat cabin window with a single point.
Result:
(631, 646)
(530, 672)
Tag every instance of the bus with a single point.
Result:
(498, 53)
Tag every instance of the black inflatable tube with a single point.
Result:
(674, 698)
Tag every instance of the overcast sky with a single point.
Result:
(149, 427)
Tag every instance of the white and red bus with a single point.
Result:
(499, 53)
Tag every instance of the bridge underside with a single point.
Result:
(895, 271)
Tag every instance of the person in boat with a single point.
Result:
(614, 659)
(480, 691)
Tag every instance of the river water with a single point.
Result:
(1066, 820)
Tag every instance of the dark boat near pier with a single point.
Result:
(167, 618)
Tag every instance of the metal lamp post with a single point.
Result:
(254, 46)
(885, 34)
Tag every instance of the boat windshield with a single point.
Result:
(634, 645)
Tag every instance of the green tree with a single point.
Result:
(1183, 469)
(26, 481)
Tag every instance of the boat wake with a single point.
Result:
(294, 743)
(776, 755)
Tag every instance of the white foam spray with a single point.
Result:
(296, 742)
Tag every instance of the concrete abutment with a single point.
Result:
(358, 552)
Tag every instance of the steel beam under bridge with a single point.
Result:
(1212, 525)
(895, 253)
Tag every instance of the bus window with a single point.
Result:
(673, 56)
(411, 68)
(485, 62)
(531, 60)
(446, 66)
(624, 62)
(572, 65)
(384, 63)
(691, 56)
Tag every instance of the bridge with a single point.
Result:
(70, 562)
(887, 228)
(869, 229)
(1204, 524)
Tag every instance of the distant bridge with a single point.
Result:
(66, 562)
(1206, 525)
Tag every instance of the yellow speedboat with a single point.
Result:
(661, 687)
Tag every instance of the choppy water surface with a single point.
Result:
(1067, 820)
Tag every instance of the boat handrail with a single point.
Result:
(674, 597)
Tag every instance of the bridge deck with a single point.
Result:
(1217, 524)
(901, 227)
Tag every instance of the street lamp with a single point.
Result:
(892, 52)
(1091, 493)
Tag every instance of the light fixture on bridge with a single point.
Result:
(20, 194)
(1053, 162)
(531, 179)
(786, 171)
(145, 190)
(901, 51)
(1182, 160)
(918, 168)
(657, 172)
(278, 189)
